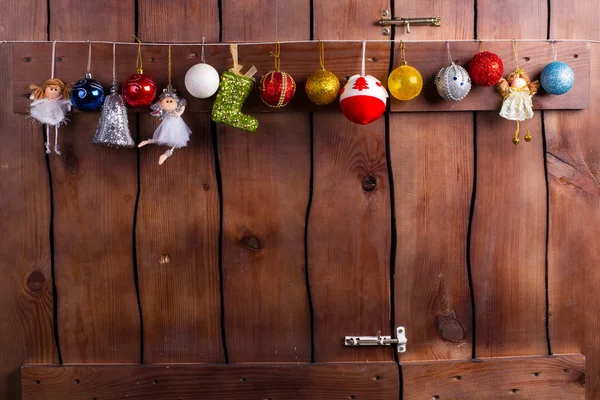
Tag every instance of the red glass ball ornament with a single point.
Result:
(277, 89)
(139, 90)
(485, 69)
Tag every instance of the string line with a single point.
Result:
(53, 59)
(114, 62)
(89, 64)
(364, 51)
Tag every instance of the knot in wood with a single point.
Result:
(251, 242)
(449, 328)
(36, 282)
(164, 259)
(71, 163)
(369, 183)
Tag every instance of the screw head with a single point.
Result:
(386, 31)
(385, 13)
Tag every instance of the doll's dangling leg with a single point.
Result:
(166, 155)
(47, 144)
(56, 149)
(528, 136)
(516, 138)
(145, 142)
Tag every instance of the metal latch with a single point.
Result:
(379, 340)
(387, 21)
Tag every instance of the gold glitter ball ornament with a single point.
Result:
(322, 87)
(405, 82)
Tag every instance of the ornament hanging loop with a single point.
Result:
(402, 53)
(88, 74)
(202, 52)
(276, 56)
(553, 43)
(138, 61)
(114, 75)
(364, 51)
(515, 52)
(169, 66)
(322, 55)
(481, 50)
(450, 60)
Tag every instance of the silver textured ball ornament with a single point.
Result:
(453, 82)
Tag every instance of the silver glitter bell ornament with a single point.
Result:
(113, 127)
(453, 82)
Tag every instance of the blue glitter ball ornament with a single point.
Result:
(557, 78)
(87, 94)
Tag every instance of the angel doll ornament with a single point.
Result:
(172, 131)
(49, 107)
(518, 90)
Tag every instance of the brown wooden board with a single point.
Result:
(177, 233)
(430, 57)
(508, 232)
(26, 330)
(265, 189)
(94, 192)
(432, 160)
(32, 64)
(432, 163)
(377, 381)
(265, 179)
(573, 162)
(349, 19)
(553, 378)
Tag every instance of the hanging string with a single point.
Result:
(402, 53)
(114, 63)
(450, 60)
(364, 50)
(202, 54)
(169, 85)
(481, 46)
(322, 55)
(53, 57)
(89, 64)
(276, 56)
(515, 52)
(553, 49)
(138, 61)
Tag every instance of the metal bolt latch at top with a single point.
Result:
(387, 22)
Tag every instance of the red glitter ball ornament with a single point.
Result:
(485, 69)
(277, 89)
(139, 90)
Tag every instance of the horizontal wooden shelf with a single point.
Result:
(31, 64)
(377, 381)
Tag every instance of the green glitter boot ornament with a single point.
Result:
(233, 92)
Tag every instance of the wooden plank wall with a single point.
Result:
(270, 247)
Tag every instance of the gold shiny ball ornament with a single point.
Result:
(322, 87)
(516, 141)
(528, 138)
(405, 82)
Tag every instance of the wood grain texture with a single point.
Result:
(508, 237)
(573, 163)
(182, 21)
(378, 381)
(26, 331)
(265, 20)
(553, 378)
(265, 179)
(94, 200)
(432, 163)
(32, 60)
(457, 19)
(178, 224)
(349, 238)
(265, 188)
(348, 19)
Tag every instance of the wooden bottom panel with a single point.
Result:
(215, 382)
(558, 377)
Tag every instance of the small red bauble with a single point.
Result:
(363, 99)
(277, 89)
(139, 90)
(485, 69)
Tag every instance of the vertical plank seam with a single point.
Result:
(51, 226)
(136, 13)
(475, 16)
(306, 221)
(547, 239)
(393, 229)
(469, 242)
(136, 281)
(549, 20)
(220, 14)
(213, 129)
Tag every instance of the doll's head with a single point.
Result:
(170, 101)
(519, 79)
(51, 89)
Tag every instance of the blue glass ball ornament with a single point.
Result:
(87, 94)
(557, 78)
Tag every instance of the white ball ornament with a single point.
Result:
(453, 82)
(202, 81)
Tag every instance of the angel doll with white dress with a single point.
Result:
(49, 107)
(172, 131)
(518, 90)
